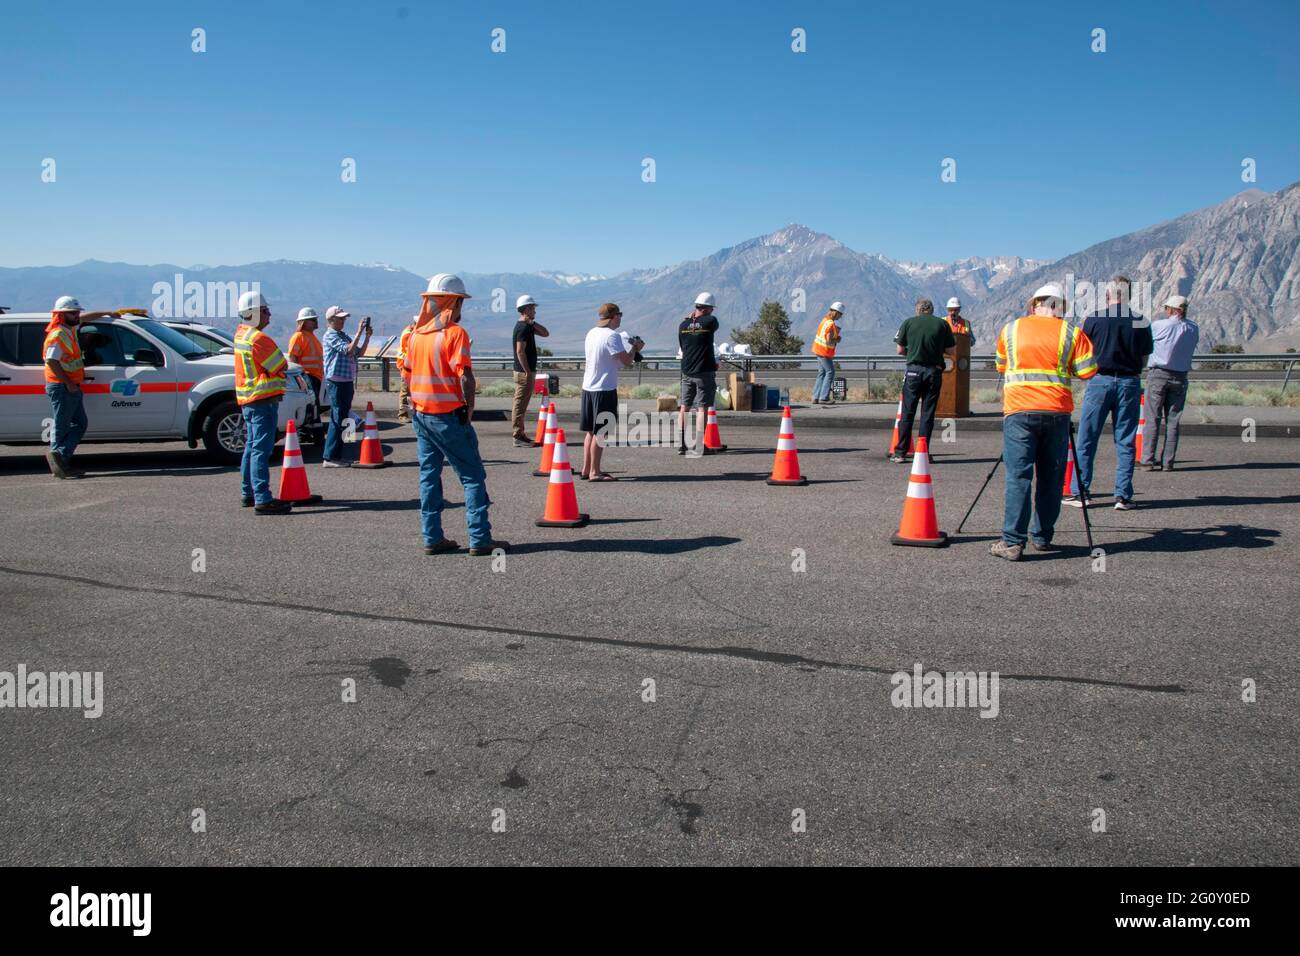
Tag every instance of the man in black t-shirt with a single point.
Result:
(699, 368)
(525, 348)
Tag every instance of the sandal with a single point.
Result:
(603, 476)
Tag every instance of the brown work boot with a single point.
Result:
(485, 550)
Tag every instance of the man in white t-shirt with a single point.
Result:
(608, 350)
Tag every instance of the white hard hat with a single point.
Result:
(1052, 290)
(444, 283)
(250, 302)
(1176, 302)
(837, 307)
(704, 298)
(524, 300)
(954, 303)
(305, 314)
(66, 303)
(724, 348)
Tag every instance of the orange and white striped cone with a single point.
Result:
(893, 441)
(1142, 424)
(548, 445)
(1069, 473)
(540, 435)
(293, 476)
(561, 498)
(713, 437)
(372, 452)
(919, 526)
(785, 469)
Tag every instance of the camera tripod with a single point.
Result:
(1083, 494)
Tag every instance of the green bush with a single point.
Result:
(498, 388)
(645, 391)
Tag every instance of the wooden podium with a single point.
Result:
(954, 393)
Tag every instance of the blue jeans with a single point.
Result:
(825, 378)
(70, 420)
(1117, 397)
(1033, 441)
(260, 419)
(442, 438)
(340, 396)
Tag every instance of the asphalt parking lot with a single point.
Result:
(516, 694)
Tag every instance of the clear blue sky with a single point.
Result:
(531, 159)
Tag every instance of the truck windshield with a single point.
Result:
(170, 337)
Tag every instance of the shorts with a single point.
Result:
(595, 404)
(698, 391)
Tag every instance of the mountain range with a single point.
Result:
(1238, 262)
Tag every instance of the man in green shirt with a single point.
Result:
(925, 339)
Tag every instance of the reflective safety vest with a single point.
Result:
(305, 349)
(61, 344)
(1037, 354)
(435, 359)
(959, 325)
(828, 336)
(259, 366)
(403, 344)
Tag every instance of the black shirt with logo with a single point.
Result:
(524, 332)
(695, 337)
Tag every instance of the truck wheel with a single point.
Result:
(223, 433)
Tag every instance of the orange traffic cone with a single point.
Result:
(893, 442)
(561, 499)
(1069, 473)
(541, 423)
(548, 445)
(293, 476)
(713, 437)
(1142, 424)
(372, 453)
(785, 469)
(920, 524)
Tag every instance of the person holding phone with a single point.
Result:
(341, 351)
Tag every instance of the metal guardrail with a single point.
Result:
(865, 364)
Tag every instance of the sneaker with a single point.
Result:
(442, 547)
(1168, 467)
(485, 550)
(523, 442)
(897, 459)
(681, 449)
(1124, 504)
(1075, 501)
(246, 502)
(816, 401)
(1039, 545)
(273, 507)
(829, 401)
(327, 463)
(1000, 549)
(1151, 466)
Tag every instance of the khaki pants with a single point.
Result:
(404, 400)
(523, 395)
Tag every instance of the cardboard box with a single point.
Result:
(738, 386)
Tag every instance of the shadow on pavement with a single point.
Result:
(1212, 538)
(1217, 501)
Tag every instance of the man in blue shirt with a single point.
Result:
(1121, 342)
(1176, 337)
(341, 351)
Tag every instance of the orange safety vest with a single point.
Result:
(403, 344)
(305, 349)
(63, 340)
(828, 336)
(259, 366)
(961, 325)
(435, 359)
(1037, 354)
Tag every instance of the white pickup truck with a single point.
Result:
(144, 382)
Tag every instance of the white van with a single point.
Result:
(144, 382)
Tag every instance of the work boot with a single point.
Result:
(273, 507)
(246, 502)
(1000, 549)
(521, 442)
(485, 550)
(1038, 544)
(442, 547)
(59, 466)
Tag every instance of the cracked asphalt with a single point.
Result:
(503, 716)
